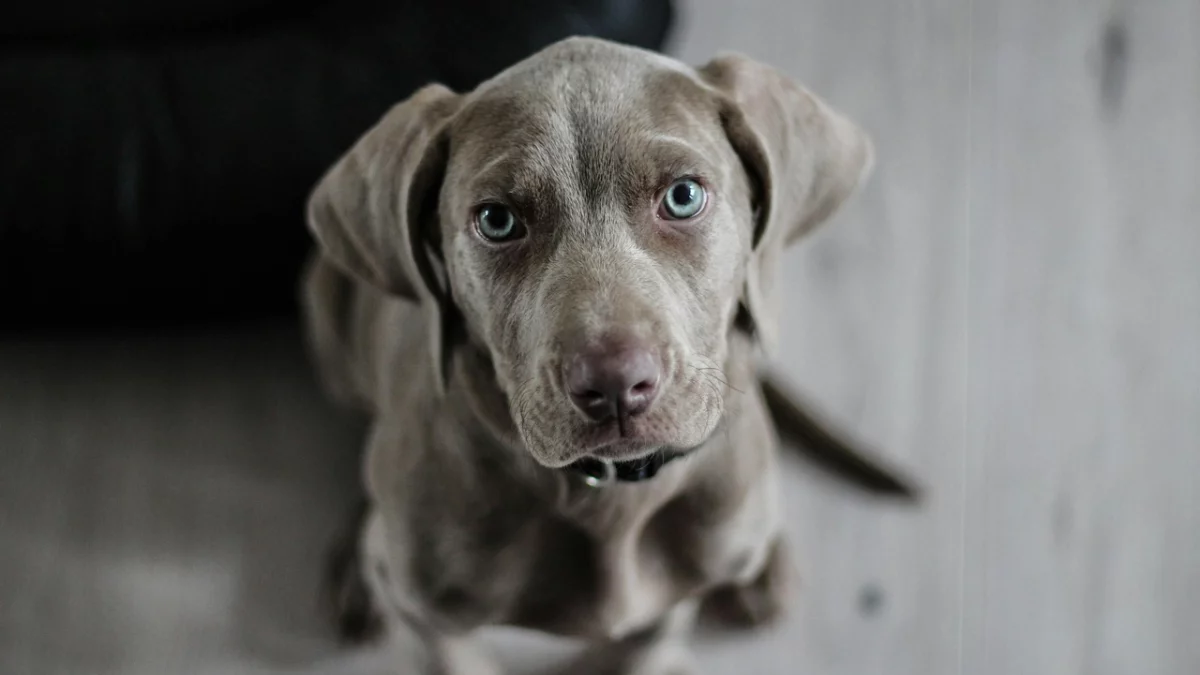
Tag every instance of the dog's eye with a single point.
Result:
(497, 223)
(684, 199)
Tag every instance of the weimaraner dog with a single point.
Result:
(551, 295)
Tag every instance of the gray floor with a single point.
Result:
(1012, 307)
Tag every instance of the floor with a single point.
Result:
(1011, 308)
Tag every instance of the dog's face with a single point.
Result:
(596, 217)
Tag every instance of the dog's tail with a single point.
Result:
(799, 425)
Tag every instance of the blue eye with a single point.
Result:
(497, 223)
(683, 199)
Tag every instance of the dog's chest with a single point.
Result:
(582, 575)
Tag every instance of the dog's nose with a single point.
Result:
(617, 381)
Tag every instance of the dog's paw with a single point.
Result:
(345, 594)
(762, 602)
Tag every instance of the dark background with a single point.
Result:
(156, 155)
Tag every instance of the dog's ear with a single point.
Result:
(374, 213)
(803, 159)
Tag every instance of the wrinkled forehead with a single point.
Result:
(594, 123)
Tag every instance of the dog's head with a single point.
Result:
(597, 219)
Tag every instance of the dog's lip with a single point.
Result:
(644, 436)
(605, 441)
(624, 450)
(633, 449)
(611, 447)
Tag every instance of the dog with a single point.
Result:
(551, 295)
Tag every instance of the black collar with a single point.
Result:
(598, 472)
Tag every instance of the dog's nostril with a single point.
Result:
(620, 379)
(644, 387)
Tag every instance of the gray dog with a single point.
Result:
(550, 294)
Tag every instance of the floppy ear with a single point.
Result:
(374, 213)
(804, 159)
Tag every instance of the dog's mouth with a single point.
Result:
(621, 447)
(629, 450)
(621, 438)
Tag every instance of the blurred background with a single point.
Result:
(1010, 308)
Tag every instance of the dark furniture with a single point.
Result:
(155, 157)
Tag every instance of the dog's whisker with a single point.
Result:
(717, 375)
(713, 370)
(711, 405)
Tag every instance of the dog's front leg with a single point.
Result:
(661, 649)
(419, 647)
(762, 601)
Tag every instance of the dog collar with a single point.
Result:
(601, 472)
